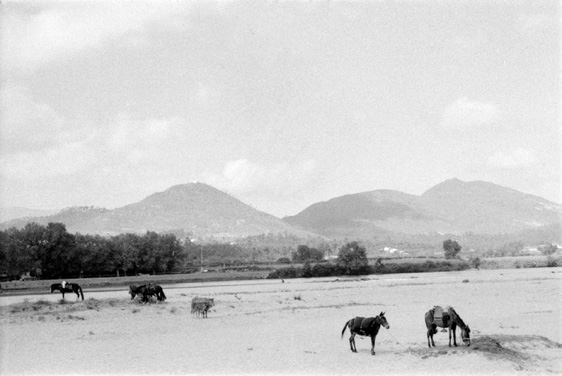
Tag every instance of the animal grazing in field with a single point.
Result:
(146, 291)
(68, 287)
(200, 306)
(365, 327)
(445, 317)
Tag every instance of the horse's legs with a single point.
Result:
(352, 342)
(454, 329)
(373, 345)
(430, 332)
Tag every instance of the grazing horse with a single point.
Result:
(365, 327)
(68, 287)
(146, 291)
(200, 306)
(445, 317)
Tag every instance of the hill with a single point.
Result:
(194, 208)
(453, 207)
(10, 213)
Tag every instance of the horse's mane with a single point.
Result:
(460, 322)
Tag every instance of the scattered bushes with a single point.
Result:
(428, 266)
(330, 270)
(551, 262)
(290, 272)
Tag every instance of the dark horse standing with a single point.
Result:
(68, 287)
(445, 317)
(147, 291)
(365, 327)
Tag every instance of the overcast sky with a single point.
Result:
(281, 104)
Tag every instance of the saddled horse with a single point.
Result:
(445, 317)
(365, 327)
(68, 287)
(200, 306)
(146, 291)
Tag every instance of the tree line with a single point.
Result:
(51, 252)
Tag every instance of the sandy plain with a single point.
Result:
(269, 327)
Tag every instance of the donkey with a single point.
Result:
(200, 306)
(445, 317)
(365, 327)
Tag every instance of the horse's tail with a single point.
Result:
(81, 293)
(163, 295)
(344, 328)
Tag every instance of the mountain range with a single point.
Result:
(453, 207)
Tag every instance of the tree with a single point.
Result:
(549, 249)
(352, 258)
(451, 248)
(305, 253)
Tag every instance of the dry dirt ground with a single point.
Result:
(270, 327)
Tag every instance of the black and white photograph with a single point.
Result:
(280, 187)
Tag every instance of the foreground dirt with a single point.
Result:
(270, 327)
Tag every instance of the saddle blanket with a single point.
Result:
(441, 316)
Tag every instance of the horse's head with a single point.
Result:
(212, 302)
(382, 320)
(133, 291)
(465, 335)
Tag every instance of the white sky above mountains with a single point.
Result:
(281, 104)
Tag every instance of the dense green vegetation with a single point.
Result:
(356, 265)
(50, 251)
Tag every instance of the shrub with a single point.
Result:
(428, 266)
(551, 262)
(475, 262)
(290, 272)
(326, 270)
(307, 270)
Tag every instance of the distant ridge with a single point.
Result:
(453, 206)
(11, 213)
(196, 208)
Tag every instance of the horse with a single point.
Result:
(68, 287)
(200, 306)
(365, 327)
(147, 291)
(445, 317)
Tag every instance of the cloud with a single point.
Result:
(533, 24)
(243, 177)
(40, 33)
(66, 159)
(518, 158)
(26, 123)
(38, 143)
(466, 115)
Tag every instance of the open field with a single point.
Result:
(43, 286)
(269, 327)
